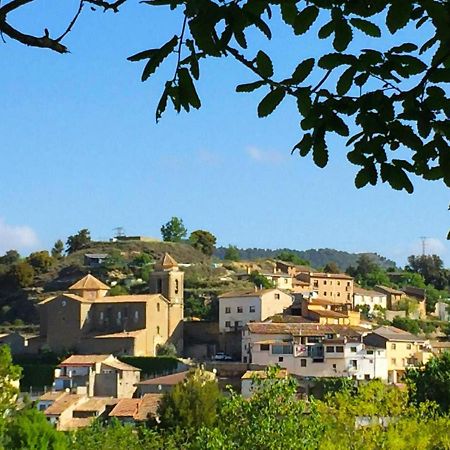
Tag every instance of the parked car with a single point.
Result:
(221, 356)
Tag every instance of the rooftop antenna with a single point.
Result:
(119, 231)
(424, 244)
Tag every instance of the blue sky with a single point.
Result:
(80, 148)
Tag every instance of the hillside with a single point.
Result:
(317, 257)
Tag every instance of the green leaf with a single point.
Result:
(333, 60)
(407, 47)
(188, 93)
(326, 30)
(146, 54)
(303, 70)
(270, 102)
(264, 64)
(158, 57)
(303, 101)
(305, 145)
(288, 12)
(363, 177)
(250, 87)
(320, 151)
(162, 104)
(342, 35)
(305, 19)
(440, 76)
(399, 14)
(345, 81)
(366, 27)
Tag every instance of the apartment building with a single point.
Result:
(336, 287)
(313, 350)
(239, 308)
(403, 350)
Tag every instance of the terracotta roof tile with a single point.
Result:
(251, 293)
(126, 407)
(77, 360)
(170, 380)
(62, 404)
(89, 282)
(148, 406)
(304, 329)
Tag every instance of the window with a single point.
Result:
(393, 346)
(239, 309)
(252, 309)
(264, 347)
(338, 294)
(282, 349)
(238, 324)
(331, 282)
(303, 363)
(325, 293)
(369, 352)
(334, 366)
(408, 346)
(280, 359)
(354, 363)
(159, 286)
(285, 281)
(353, 349)
(366, 376)
(324, 281)
(227, 324)
(329, 336)
(158, 307)
(338, 283)
(157, 329)
(177, 286)
(227, 310)
(348, 283)
(393, 361)
(316, 283)
(277, 296)
(339, 349)
(330, 349)
(314, 339)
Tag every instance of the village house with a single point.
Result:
(327, 312)
(160, 385)
(88, 320)
(238, 308)
(403, 350)
(372, 299)
(16, 342)
(135, 410)
(393, 296)
(249, 381)
(97, 375)
(313, 350)
(336, 287)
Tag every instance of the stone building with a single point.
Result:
(87, 320)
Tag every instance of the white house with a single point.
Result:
(239, 308)
(442, 310)
(313, 350)
(362, 297)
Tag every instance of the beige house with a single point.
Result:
(403, 350)
(327, 312)
(88, 320)
(97, 375)
(336, 287)
(393, 296)
(239, 308)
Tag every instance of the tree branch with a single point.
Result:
(71, 24)
(107, 5)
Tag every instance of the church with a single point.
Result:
(86, 320)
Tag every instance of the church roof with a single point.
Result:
(167, 262)
(88, 282)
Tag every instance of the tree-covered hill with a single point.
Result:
(317, 257)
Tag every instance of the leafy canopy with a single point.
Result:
(174, 230)
(381, 85)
